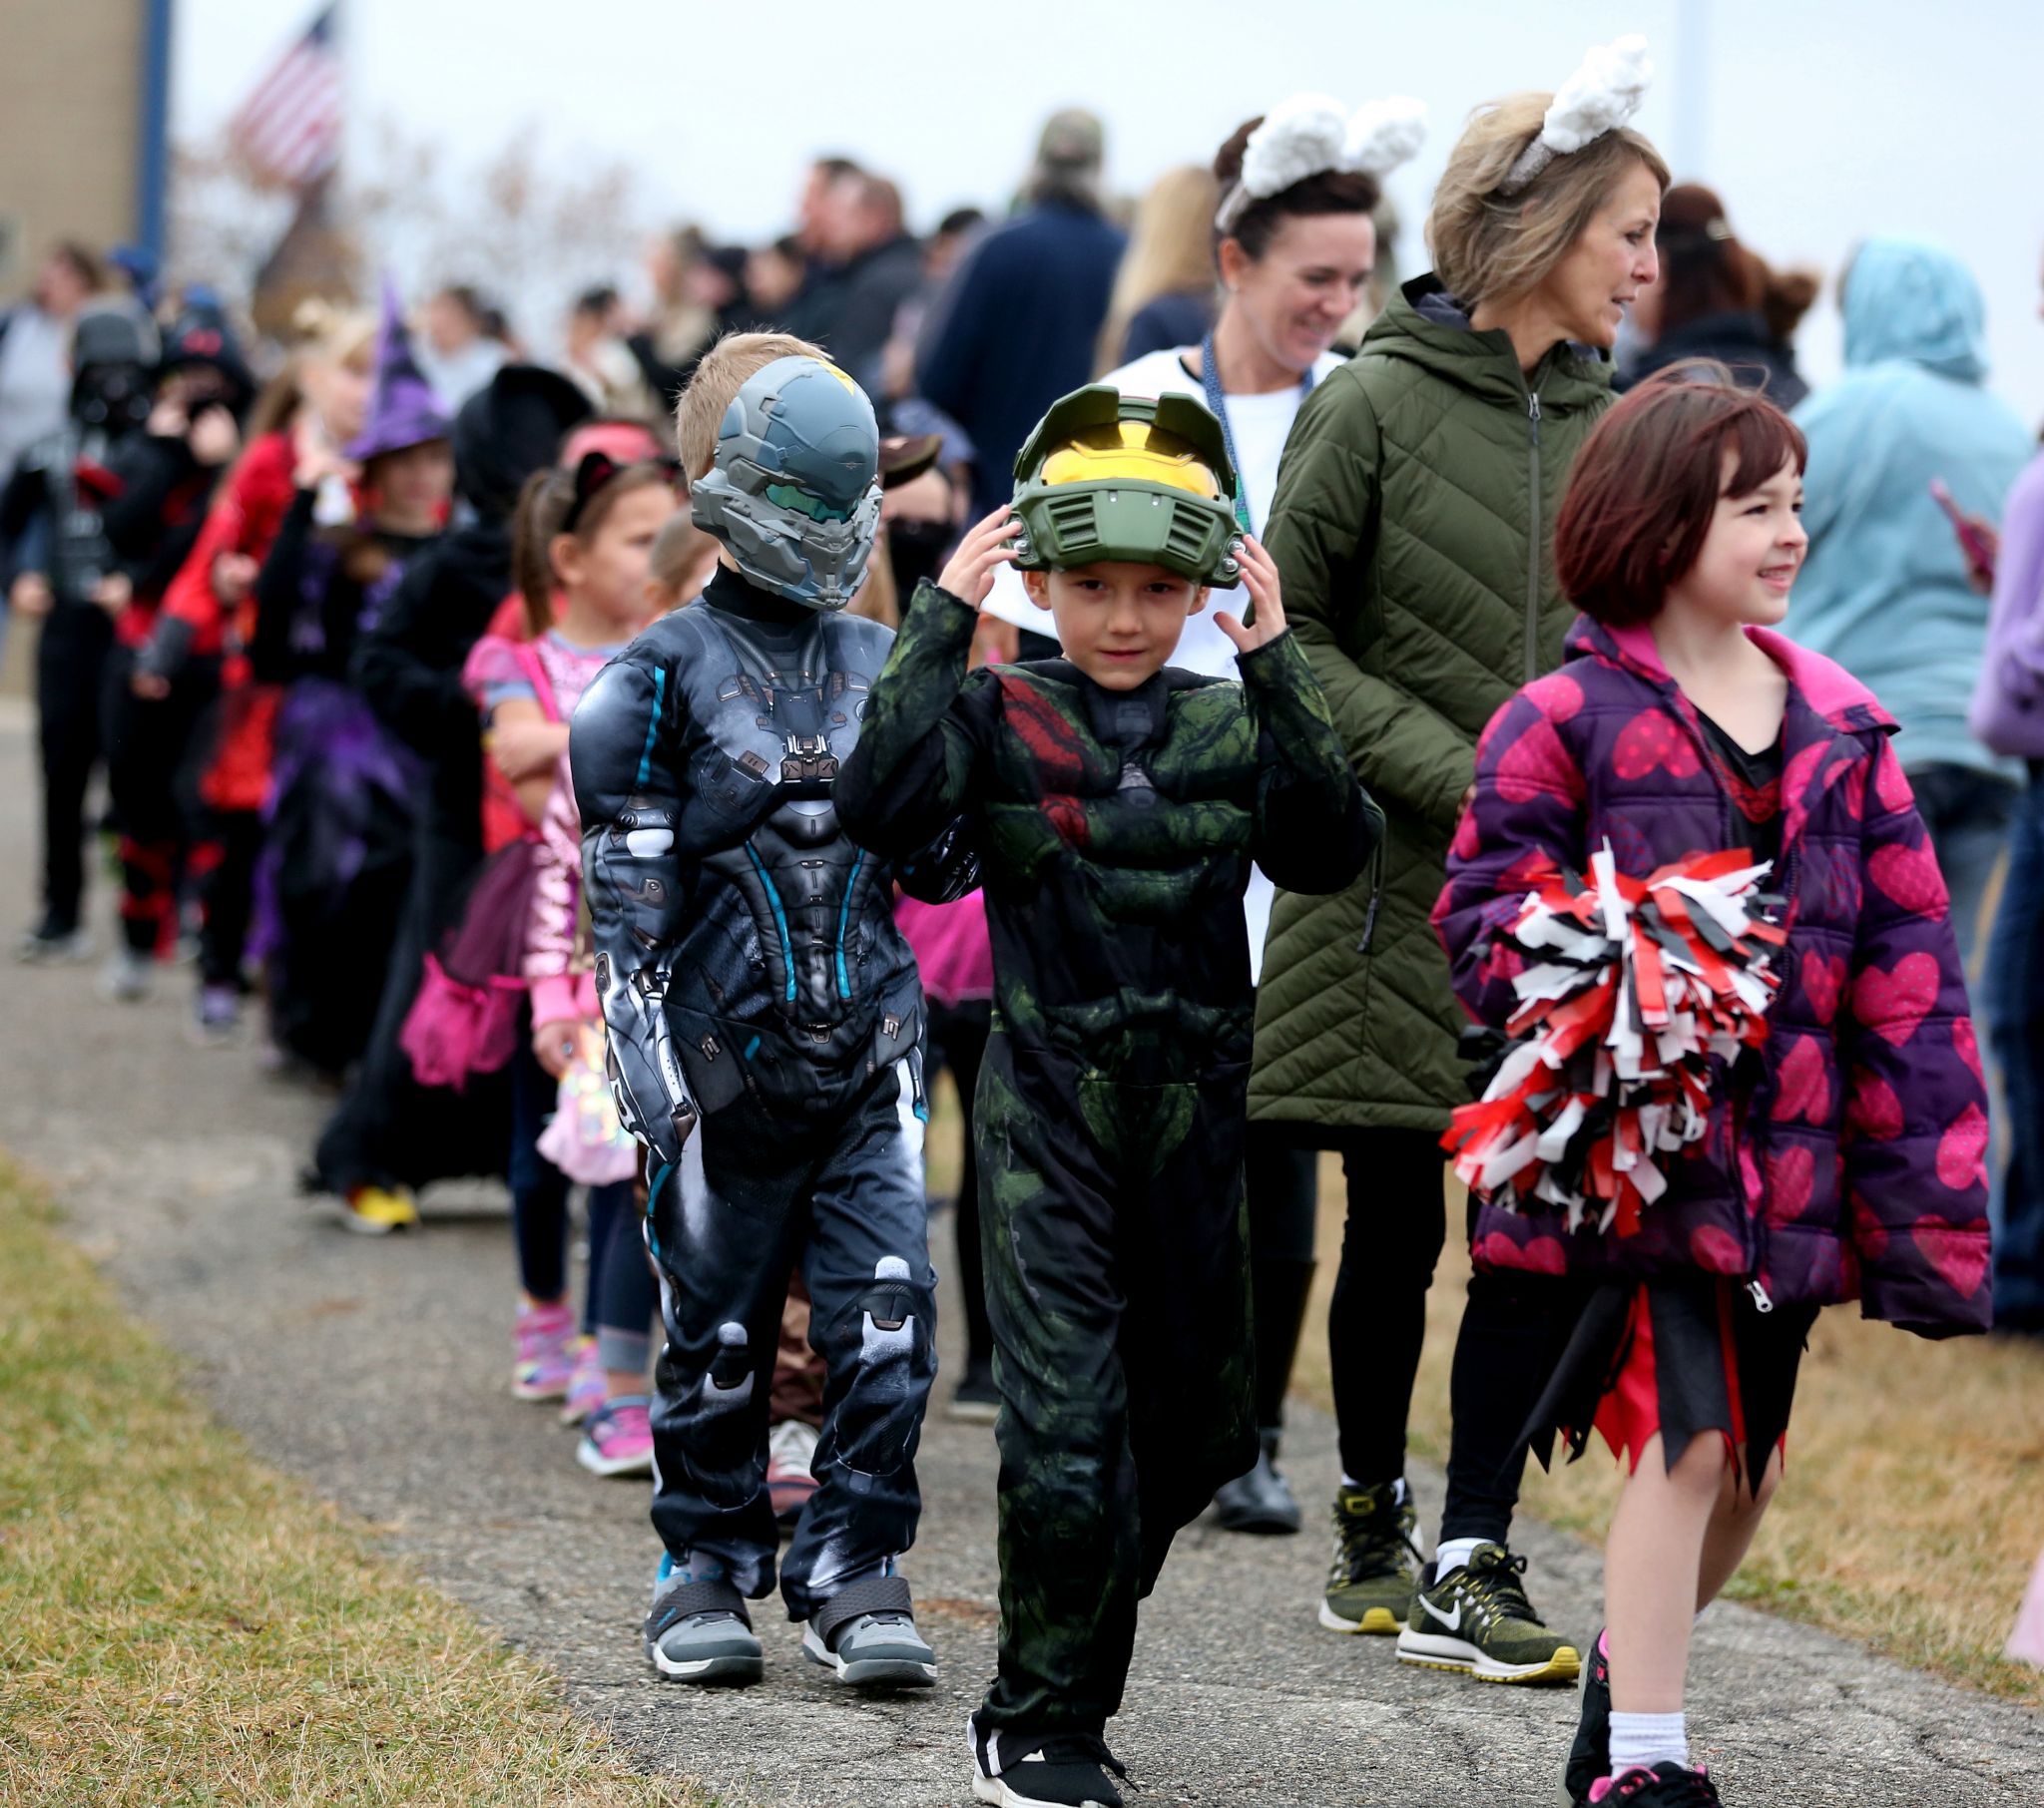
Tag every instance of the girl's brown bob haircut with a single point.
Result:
(1645, 487)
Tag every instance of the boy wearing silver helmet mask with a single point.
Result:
(765, 1028)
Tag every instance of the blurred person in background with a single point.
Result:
(167, 480)
(35, 348)
(1717, 300)
(1016, 326)
(882, 268)
(208, 622)
(2008, 715)
(1413, 528)
(598, 358)
(1885, 588)
(1164, 291)
(819, 222)
(774, 275)
(67, 574)
(389, 1134)
(458, 349)
(342, 814)
(698, 292)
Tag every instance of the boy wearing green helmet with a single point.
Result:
(1117, 805)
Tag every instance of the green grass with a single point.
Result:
(180, 1625)
(1910, 1513)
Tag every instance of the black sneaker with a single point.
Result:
(1046, 1770)
(975, 1401)
(1667, 1785)
(1262, 1500)
(1590, 1757)
(1477, 1619)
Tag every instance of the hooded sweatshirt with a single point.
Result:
(1884, 590)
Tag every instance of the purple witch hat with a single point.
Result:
(404, 411)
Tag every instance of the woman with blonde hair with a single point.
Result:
(1164, 289)
(1411, 527)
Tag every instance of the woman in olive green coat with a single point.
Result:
(1412, 524)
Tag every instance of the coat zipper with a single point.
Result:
(1533, 537)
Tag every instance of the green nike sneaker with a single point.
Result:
(1478, 1621)
(1376, 1564)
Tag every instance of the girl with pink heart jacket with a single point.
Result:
(1843, 1157)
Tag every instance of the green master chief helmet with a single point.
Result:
(1131, 477)
(793, 492)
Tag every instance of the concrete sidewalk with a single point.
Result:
(378, 1372)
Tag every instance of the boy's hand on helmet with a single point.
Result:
(1260, 578)
(970, 574)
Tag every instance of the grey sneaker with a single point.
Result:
(1262, 1500)
(866, 1635)
(701, 1630)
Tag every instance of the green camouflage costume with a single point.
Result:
(1115, 831)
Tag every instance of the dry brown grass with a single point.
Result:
(1914, 1508)
(180, 1624)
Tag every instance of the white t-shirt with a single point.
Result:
(1259, 425)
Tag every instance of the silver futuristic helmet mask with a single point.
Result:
(793, 492)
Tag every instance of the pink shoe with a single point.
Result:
(619, 1439)
(545, 1362)
(1667, 1785)
(586, 1386)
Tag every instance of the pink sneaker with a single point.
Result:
(544, 1359)
(619, 1439)
(585, 1382)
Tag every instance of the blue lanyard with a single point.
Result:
(1217, 404)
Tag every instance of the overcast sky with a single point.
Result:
(1817, 121)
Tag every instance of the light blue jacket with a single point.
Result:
(1884, 590)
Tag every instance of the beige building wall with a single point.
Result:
(70, 107)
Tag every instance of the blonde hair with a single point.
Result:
(679, 557)
(1487, 247)
(332, 333)
(1170, 252)
(724, 369)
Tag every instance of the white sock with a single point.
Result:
(1398, 1490)
(1640, 1741)
(1453, 1554)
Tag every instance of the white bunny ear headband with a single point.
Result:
(1601, 96)
(1311, 134)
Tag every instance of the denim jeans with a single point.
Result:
(2012, 1002)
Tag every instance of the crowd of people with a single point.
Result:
(1077, 653)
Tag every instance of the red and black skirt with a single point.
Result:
(1680, 1356)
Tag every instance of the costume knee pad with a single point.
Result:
(720, 1440)
(874, 1428)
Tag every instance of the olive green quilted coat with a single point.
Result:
(1414, 530)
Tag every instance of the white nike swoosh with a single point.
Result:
(1452, 1621)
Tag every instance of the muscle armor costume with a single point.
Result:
(765, 1030)
(1116, 830)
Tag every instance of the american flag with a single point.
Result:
(289, 128)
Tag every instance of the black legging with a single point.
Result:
(1282, 1182)
(1398, 1222)
(957, 1039)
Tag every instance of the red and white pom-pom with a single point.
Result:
(1630, 990)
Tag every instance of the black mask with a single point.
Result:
(915, 550)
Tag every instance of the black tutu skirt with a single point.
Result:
(1681, 1356)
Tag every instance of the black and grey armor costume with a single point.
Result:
(766, 1030)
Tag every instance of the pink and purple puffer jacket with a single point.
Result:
(1854, 1165)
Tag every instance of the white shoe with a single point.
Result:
(128, 977)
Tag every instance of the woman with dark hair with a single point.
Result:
(1411, 523)
(1294, 245)
(1718, 302)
